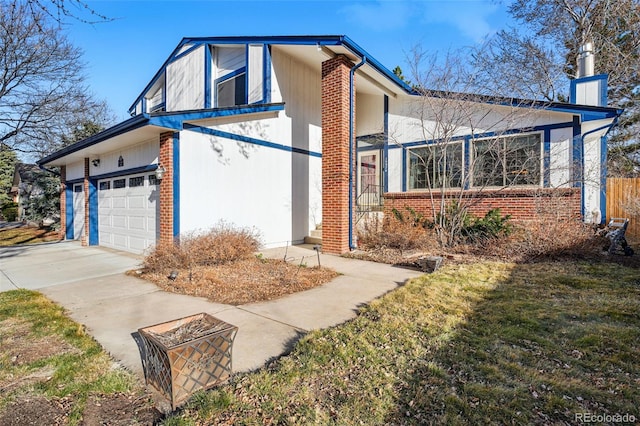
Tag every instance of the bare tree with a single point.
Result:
(42, 91)
(454, 117)
(62, 10)
(542, 51)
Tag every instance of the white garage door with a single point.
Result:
(127, 212)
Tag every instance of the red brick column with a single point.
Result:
(335, 154)
(165, 159)
(63, 202)
(85, 234)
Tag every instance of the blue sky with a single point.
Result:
(121, 56)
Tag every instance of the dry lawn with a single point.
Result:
(242, 281)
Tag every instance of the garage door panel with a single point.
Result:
(119, 202)
(137, 202)
(119, 222)
(128, 214)
(137, 223)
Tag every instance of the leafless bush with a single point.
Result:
(394, 234)
(221, 244)
(543, 238)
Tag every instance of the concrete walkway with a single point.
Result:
(89, 282)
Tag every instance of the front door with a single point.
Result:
(369, 191)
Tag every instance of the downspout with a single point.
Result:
(352, 73)
(608, 127)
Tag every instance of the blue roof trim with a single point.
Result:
(322, 40)
(168, 120)
(587, 113)
(124, 127)
(174, 120)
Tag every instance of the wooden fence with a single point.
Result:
(623, 200)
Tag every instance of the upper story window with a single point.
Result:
(231, 90)
(437, 166)
(508, 161)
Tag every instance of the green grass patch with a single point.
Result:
(45, 354)
(27, 235)
(471, 344)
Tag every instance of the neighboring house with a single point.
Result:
(24, 186)
(262, 131)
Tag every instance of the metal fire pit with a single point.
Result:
(186, 355)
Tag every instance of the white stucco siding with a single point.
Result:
(415, 119)
(75, 170)
(246, 187)
(369, 114)
(299, 87)
(185, 81)
(560, 157)
(138, 155)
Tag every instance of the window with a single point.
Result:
(153, 180)
(232, 91)
(104, 185)
(136, 181)
(436, 167)
(119, 183)
(513, 160)
(78, 188)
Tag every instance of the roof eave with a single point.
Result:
(123, 127)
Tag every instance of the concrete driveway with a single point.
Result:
(89, 282)
(35, 267)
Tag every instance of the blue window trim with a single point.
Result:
(546, 156)
(266, 74)
(405, 154)
(94, 238)
(242, 138)
(69, 210)
(176, 185)
(229, 76)
(207, 76)
(576, 155)
(466, 153)
(246, 77)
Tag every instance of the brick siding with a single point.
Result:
(521, 204)
(165, 159)
(335, 154)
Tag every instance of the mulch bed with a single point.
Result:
(242, 281)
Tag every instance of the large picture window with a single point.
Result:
(436, 166)
(232, 91)
(507, 161)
